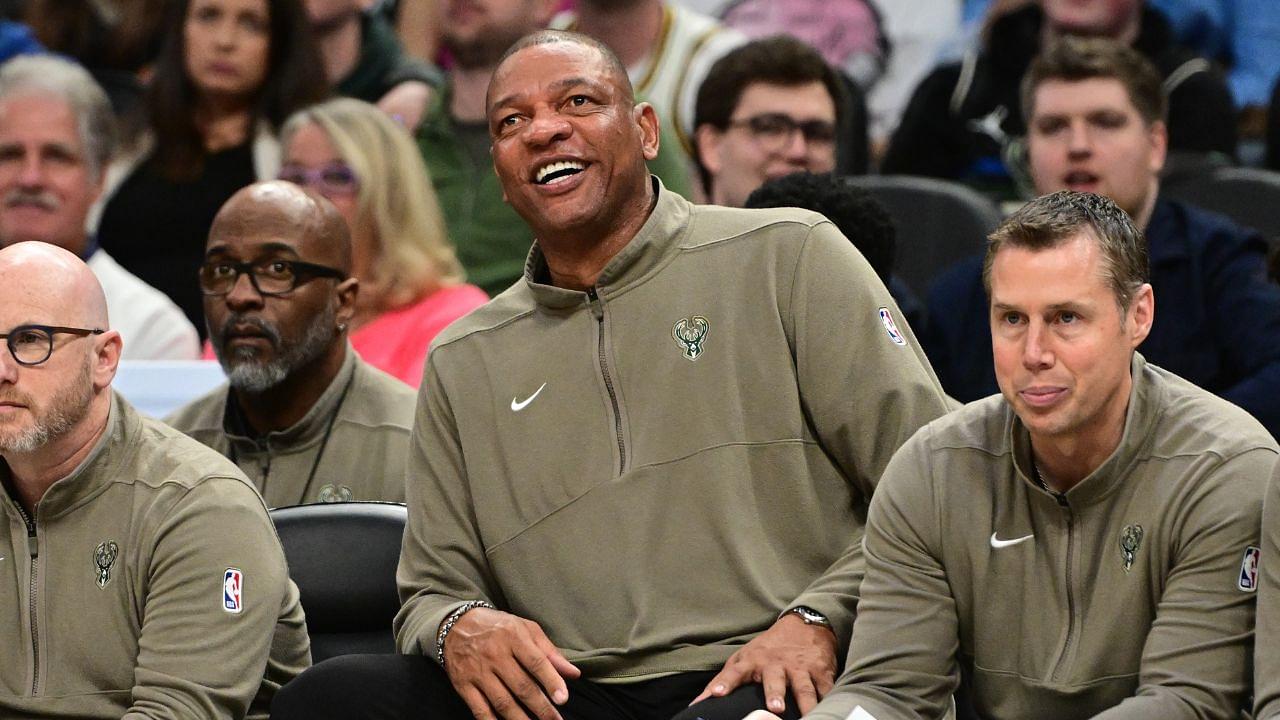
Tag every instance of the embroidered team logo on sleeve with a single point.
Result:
(1248, 580)
(233, 590)
(891, 327)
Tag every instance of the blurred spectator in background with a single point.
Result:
(1244, 35)
(301, 414)
(363, 59)
(667, 49)
(859, 217)
(115, 40)
(1094, 110)
(965, 121)
(229, 73)
(492, 241)
(766, 109)
(410, 281)
(57, 134)
(883, 47)
(856, 214)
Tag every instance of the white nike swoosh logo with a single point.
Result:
(518, 406)
(997, 543)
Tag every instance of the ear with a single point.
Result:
(647, 119)
(347, 291)
(1142, 313)
(1158, 137)
(706, 141)
(106, 359)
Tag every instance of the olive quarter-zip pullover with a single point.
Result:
(351, 444)
(148, 583)
(652, 470)
(1129, 596)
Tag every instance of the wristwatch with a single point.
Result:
(809, 616)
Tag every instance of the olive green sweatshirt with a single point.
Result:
(351, 444)
(148, 583)
(1129, 596)
(654, 469)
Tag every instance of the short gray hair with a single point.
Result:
(67, 81)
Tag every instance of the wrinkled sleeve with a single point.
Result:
(865, 384)
(442, 559)
(1266, 673)
(196, 657)
(1195, 663)
(902, 659)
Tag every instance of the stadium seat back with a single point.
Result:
(939, 223)
(343, 558)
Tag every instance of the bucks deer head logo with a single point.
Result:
(690, 333)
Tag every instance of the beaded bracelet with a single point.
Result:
(451, 620)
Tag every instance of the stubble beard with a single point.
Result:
(68, 407)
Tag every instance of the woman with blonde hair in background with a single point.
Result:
(411, 284)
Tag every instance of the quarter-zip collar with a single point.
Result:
(640, 259)
(1139, 423)
(302, 433)
(92, 476)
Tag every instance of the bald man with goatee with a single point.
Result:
(301, 414)
(146, 578)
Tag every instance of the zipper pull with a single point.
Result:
(597, 306)
(33, 544)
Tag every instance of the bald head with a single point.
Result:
(287, 211)
(615, 70)
(52, 282)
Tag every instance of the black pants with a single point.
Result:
(412, 687)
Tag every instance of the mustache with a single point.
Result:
(262, 326)
(13, 396)
(42, 199)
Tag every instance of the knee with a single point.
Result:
(335, 688)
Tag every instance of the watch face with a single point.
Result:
(811, 616)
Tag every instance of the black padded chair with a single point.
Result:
(939, 223)
(1249, 196)
(343, 558)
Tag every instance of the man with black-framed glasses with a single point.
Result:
(768, 109)
(138, 569)
(302, 415)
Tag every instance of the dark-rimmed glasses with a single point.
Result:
(335, 178)
(269, 277)
(775, 130)
(33, 344)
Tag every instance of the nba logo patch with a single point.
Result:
(891, 327)
(1248, 581)
(232, 590)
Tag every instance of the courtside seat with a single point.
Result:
(343, 558)
(939, 223)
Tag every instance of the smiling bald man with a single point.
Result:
(146, 580)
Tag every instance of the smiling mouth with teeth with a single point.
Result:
(558, 171)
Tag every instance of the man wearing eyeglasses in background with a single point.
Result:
(767, 109)
(139, 572)
(302, 415)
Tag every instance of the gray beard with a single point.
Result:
(247, 374)
(69, 406)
